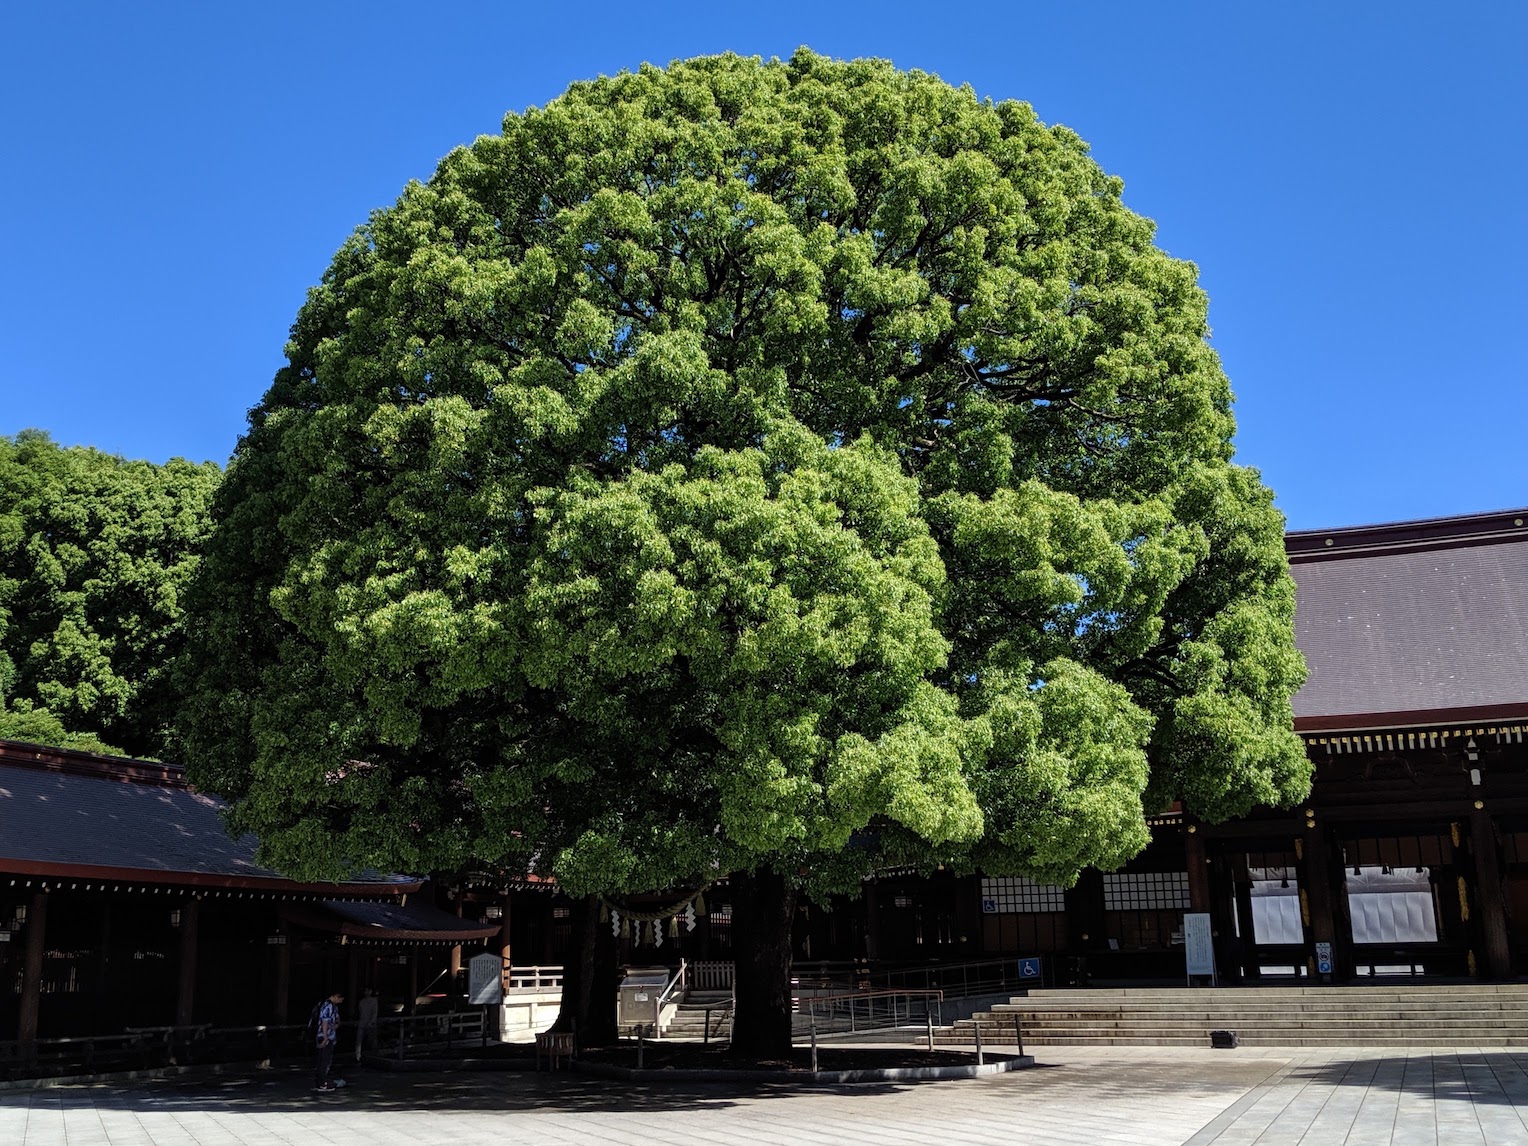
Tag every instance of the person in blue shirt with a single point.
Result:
(328, 1037)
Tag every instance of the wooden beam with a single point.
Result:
(31, 972)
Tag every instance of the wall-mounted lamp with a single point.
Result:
(493, 911)
(175, 918)
(275, 940)
(21, 913)
(1475, 775)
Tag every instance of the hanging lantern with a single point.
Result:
(700, 903)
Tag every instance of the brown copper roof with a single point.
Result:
(413, 922)
(78, 816)
(1413, 623)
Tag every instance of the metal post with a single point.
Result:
(1018, 1032)
(851, 1014)
(976, 1026)
(640, 1030)
(705, 1035)
(929, 1015)
(814, 1043)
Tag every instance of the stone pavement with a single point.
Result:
(1078, 1095)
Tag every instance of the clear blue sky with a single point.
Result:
(1350, 178)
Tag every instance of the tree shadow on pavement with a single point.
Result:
(502, 1091)
(1489, 1077)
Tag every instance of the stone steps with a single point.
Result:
(1492, 1015)
(689, 1021)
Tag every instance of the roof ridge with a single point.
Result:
(124, 769)
(1506, 525)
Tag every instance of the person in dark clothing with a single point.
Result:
(328, 1037)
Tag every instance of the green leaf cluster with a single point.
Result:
(800, 463)
(96, 554)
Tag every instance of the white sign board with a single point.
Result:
(1198, 945)
(485, 983)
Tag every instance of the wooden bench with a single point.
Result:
(557, 1046)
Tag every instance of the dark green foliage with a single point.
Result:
(95, 555)
(729, 459)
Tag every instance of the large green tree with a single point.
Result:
(762, 469)
(95, 555)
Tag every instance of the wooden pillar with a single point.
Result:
(1198, 865)
(31, 972)
(185, 997)
(504, 945)
(1246, 931)
(104, 1021)
(282, 1002)
(1315, 880)
(872, 921)
(1222, 916)
(456, 956)
(1085, 915)
(352, 978)
(1490, 902)
(413, 999)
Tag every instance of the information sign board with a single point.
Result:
(1198, 944)
(485, 981)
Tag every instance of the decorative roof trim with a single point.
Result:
(191, 879)
(1409, 719)
(1415, 739)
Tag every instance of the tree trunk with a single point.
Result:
(589, 978)
(763, 909)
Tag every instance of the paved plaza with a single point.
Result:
(1076, 1095)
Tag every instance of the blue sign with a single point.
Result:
(1029, 968)
(989, 907)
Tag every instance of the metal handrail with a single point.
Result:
(831, 1007)
(677, 980)
(936, 995)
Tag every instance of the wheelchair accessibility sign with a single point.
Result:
(1029, 968)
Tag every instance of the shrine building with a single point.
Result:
(124, 904)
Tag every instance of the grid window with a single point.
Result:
(1015, 895)
(1146, 891)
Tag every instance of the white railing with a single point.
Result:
(711, 975)
(535, 978)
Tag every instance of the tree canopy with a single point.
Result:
(745, 465)
(95, 555)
